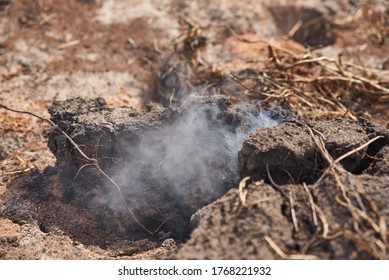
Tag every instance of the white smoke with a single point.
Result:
(189, 162)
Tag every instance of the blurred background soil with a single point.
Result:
(131, 53)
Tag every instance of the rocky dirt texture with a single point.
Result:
(323, 227)
(179, 102)
(332, 215)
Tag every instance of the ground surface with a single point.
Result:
(320, 59)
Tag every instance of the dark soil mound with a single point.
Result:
(264, 229)
(339, 215)
(289, 150)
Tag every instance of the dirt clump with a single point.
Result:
(333, 214)
(289, 151)
(228, 230)
(225, 230)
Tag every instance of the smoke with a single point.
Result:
(190, 161)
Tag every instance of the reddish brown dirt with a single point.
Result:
(132, 53)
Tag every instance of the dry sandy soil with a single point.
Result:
(317, 163)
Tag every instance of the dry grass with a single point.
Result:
(320, 87)
(317, 87)
(314, 86)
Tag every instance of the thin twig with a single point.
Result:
(293, 213)
(324, 221)
(91, 160)
(159, 165)
(312, 204)
(81, 168)
(356, 150)
(277, 187)
(121, 195)
(275, 247)
(68, 44)
(243, 191)
(359, 213)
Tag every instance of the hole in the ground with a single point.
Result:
(168, 162)
(43, 227)
(370, 157)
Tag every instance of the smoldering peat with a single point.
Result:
(169, 162)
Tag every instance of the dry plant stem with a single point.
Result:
(283, 255)
(345, 75)
(323, 218)
(383, 229)
(160, 165)
(123, 199)
(349, 78)
(249, 90)
(81, 168)
(277, 187)
(372, 245)
(275, 247)
(293, 213)
(17, 172)
(303, 257)
(68, 44)
(317, 86)
(359, 199)
(359, 213)
(92, 162)
(295, 28)
(312, 204)
(356, 150)
(243, 191)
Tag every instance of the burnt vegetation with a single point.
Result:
(279, 159)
